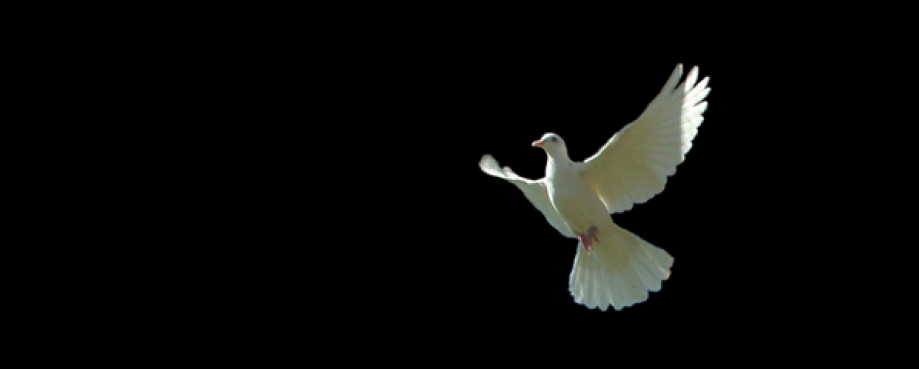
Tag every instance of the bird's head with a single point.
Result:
(552, 143)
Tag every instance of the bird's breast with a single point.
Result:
(577, 203)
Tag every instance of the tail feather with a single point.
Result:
(615, 287)
(647, 276)
(620, 270)
(605, 294)
(602, 294)
(636, 288)
(657, 264)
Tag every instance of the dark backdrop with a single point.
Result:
(347, 187)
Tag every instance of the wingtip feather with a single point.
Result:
(486, 161)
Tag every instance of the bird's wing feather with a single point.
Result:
(634, 164)
(535, 191)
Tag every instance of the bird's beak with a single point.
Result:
(538, 143)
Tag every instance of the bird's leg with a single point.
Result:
(588, 238)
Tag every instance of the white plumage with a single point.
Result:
(577, 197)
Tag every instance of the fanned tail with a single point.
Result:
(620, 270)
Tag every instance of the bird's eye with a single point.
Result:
(553, 139)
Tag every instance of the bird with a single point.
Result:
(613, 266)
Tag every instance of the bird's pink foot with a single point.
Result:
(588, 238)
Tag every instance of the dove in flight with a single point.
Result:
(614, 266)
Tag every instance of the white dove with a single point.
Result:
(612, 265)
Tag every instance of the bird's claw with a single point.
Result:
(588, 238)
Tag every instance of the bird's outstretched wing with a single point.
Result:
(535, 191)
(634, 164)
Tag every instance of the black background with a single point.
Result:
(423, 234)
(342, 164)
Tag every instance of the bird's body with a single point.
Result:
(613, 266)
(573, 198)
